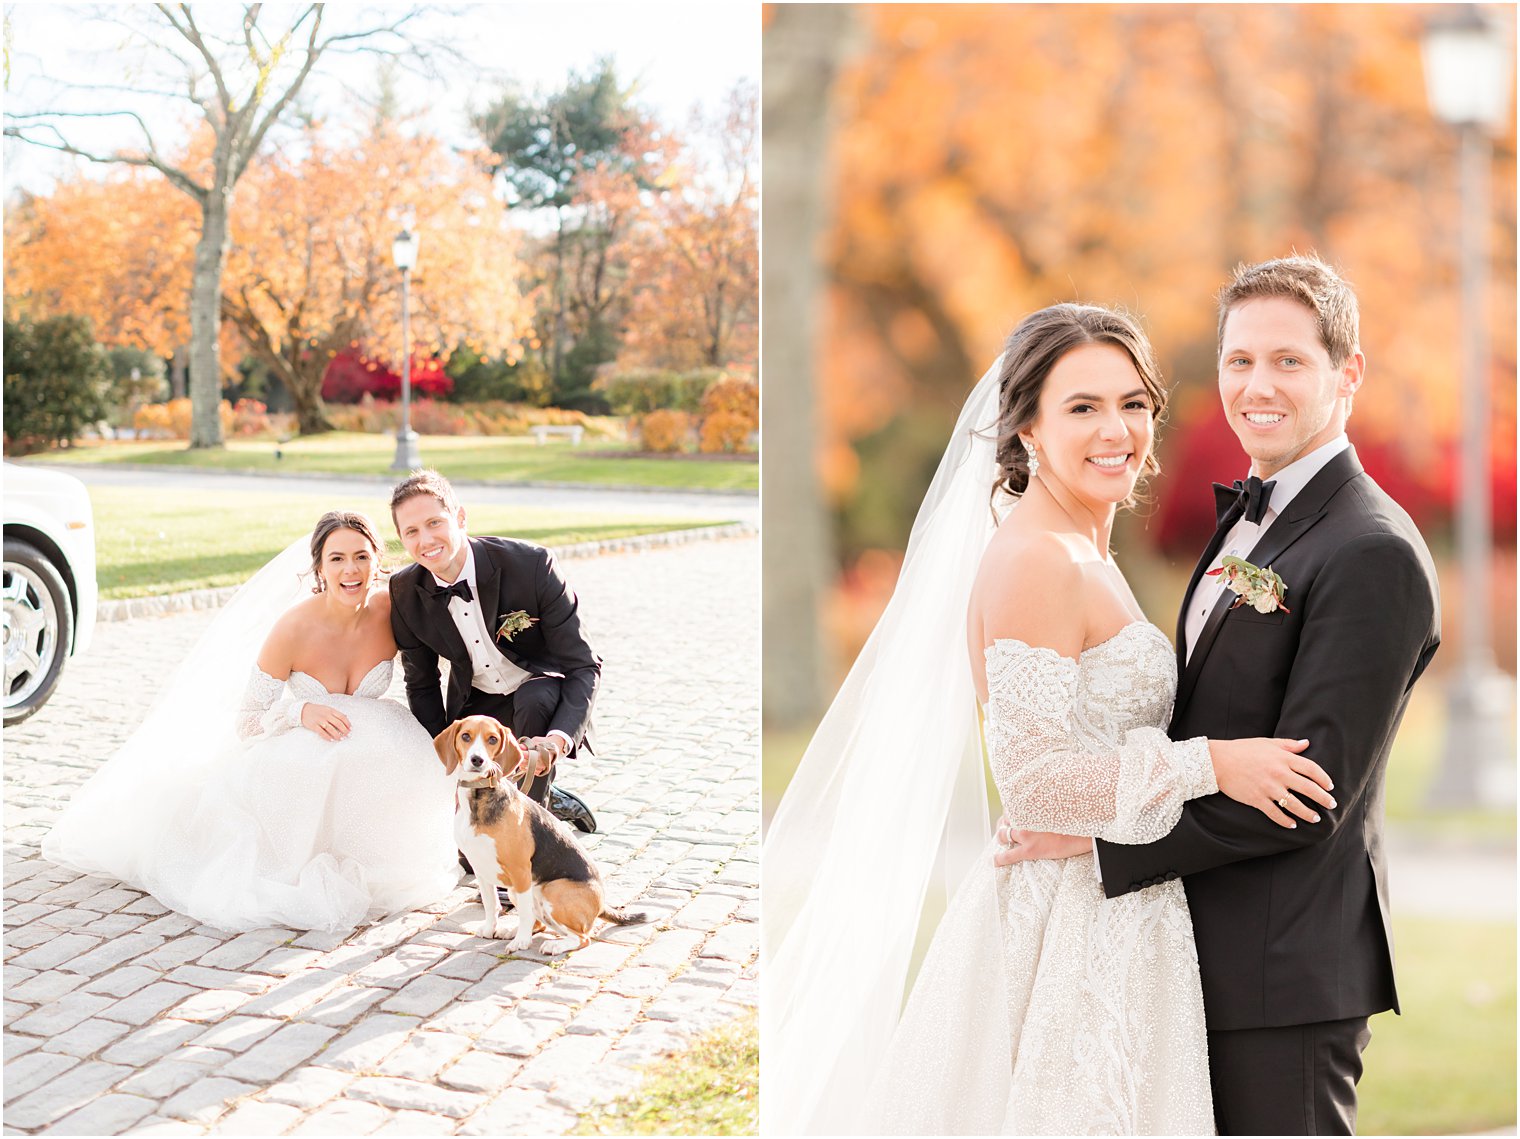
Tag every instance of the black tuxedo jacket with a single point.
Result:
(1292, 925)
(509, 575)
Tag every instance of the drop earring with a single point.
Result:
(1034, 461)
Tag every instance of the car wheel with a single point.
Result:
(39, 628)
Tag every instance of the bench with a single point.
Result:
(542, 432)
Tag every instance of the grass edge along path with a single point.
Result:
(712, 1088)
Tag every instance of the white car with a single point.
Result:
(49, 587)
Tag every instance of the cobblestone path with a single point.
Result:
(122, 1017)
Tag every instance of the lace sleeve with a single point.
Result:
(1060, 772)
(262, 712)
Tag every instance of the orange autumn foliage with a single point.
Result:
(992, 159)
(171, 420)
(117, 250)
(730, 413)
(665, 431)
(695, 259)
(309, 272)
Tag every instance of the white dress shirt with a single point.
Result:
(1243, 536)
(490, 671)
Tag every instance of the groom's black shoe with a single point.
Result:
(570, 808)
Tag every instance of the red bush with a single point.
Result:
(1198, 448)
(352, 375)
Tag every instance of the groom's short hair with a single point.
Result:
(425, 481)
(1313, 284)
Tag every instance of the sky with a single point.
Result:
(677, 54)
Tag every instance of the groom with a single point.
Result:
(1292, 925)
(498, 611)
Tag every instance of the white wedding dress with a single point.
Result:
(223, 807)
(1041, 1007)
(1044, 1008)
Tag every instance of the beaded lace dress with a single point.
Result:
(1043, 1008)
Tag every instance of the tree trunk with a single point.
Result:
(205, 323)
(177, 366)
(311, 412)
(559, 304)
(304, 385)
(802, 51)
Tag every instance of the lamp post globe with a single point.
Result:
(404, 254)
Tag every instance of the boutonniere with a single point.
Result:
(1258, 587)
(513, 623)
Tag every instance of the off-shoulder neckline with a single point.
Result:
(1140, 623)
(362, 680)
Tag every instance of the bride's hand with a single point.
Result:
(329, 723)
(1272, 776)
(1024, 846)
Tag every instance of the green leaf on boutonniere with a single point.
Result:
(513, 623)
(1257, 586)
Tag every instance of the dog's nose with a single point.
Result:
(476, 762)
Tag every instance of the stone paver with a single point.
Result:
(121, 1016)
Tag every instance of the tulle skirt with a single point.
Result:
(292, 830)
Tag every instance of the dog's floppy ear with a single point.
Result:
(521, 766)
(513, 754)
(444, 744)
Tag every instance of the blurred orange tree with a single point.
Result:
(993, 159)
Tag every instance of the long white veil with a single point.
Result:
(892, 780)
(111, 824)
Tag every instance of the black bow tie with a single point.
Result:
(460, 589)
(1252, 496)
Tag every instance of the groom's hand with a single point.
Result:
(548, 750)
(1022, 846)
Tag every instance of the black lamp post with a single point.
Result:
(404, 253)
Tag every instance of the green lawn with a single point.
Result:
(150, 542)
(710, 1089)
(1447, 1065)
(1415, 765)
(495, 459)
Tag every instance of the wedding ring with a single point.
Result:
(1283, 802)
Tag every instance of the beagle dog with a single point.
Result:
(509, 840)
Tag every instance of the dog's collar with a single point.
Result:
(487, 783)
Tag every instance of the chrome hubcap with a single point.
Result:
(31, 632)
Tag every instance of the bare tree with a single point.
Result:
(240, 77)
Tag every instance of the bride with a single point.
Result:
(274, 785)
(1041, 1007)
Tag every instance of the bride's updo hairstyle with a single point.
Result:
(330, 523)
(1033, 349)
